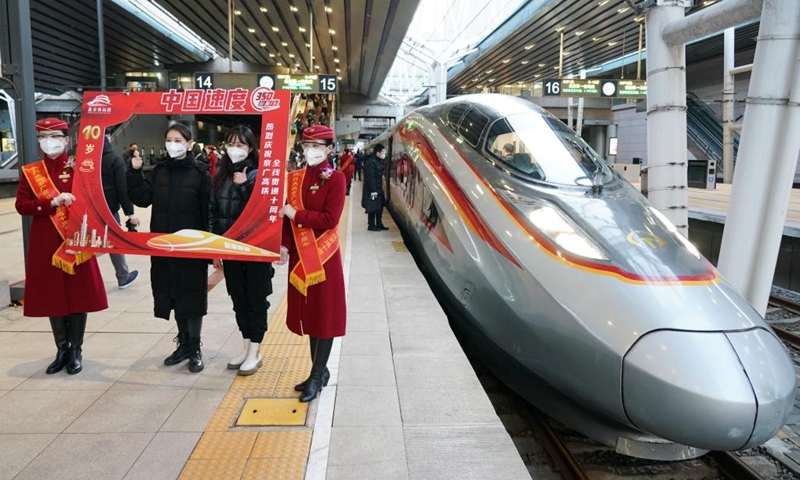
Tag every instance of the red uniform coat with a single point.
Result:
(49, 291)
(323, 313)
(350, 170)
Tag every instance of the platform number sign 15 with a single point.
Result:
(327, 83)
(203, 81)
(552, 87)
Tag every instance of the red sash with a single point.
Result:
(45, 189)
(314, 252)
(346, 164)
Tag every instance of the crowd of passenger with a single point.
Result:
(201, 188)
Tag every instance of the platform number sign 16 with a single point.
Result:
(552, 87)
(203, 81)
(327, 83)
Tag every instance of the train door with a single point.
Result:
(387, 171)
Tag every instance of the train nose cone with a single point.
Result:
(711, 390)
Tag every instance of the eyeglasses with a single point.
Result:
(57, 137)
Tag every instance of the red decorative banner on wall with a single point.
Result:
(256, 234)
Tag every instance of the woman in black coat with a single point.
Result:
(178, 190)
(372, 195)
(248, 283)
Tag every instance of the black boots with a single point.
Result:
(326, 375)
(76, 328)
(181, 352)
(315, 382)
(59, 327)
(195, 355)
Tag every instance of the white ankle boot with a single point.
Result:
(237, 361)
(253, 361)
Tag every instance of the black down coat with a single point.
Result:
(227, 203)
(178, 190)
(373, 177)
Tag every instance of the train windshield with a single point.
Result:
(544, 149)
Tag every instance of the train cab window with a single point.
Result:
(455, 114)
(472, 125)
(543, 148)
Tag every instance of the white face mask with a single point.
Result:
(314, 156)
(52, 147)
(237, 154)
(175, 149)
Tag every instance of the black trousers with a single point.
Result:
(249, 284)
(374, 219)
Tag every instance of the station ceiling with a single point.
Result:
(595, 32)
(363, 35)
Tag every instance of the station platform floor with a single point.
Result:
(403, 401)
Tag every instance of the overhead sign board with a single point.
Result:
(594, 88)
(310, 83)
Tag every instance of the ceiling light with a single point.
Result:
(560, 29)
(275, 29)
(335, 60)
(708, 2)
(279, 64)
(284, 44)
(555, 68)
(542, 65)
(579, 33)
(338, 71)
(524, 62)
(602, 3)
(263, 9)
(638, 19)
(566, 53)
(334, 48)
(332, 31)
(489, 71)
(594, 39)
(293, 8)
(237, 12)
(272, 55)
(308, 45)
(463, 86)
(506, 60)
(528, 47)
(611, 44)
(329, 9)
(478, 86)
(291, 55)
(339, 78)
(251, 30)
(302, 29)
(263, 44)
(623, 9)
(491, 79)
(317, 67)
(536, 76)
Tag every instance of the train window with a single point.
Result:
(455, 114)
(472, 126)
(543, 148)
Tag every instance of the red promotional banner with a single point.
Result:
(256, 234)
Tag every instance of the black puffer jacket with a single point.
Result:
(115, 188)
(228, 202)
(178, 191)
(373, 178)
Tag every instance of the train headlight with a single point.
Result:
(551, 223)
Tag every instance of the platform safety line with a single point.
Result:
(225, 451)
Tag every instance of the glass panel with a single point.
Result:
(455, 114)
(472, 126)
(545, 149)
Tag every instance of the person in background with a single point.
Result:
(248, 283)
(59, 285)
(133, 151)
(347, 166)
(178, 190)
(310, 244)
(372, 195)
(211, 156)
(359, 160)
(115, 189)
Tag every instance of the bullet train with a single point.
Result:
(574, 290)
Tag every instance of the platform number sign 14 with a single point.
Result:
(552, 87)
(203, 81)
(327, 83)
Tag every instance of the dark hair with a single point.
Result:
(508, 148)
(225, 170)
(378, 148)
(180, 128)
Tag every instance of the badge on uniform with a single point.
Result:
(64, 177)
(314, 189)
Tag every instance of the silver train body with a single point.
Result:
(591, 303)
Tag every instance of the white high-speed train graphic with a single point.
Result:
(582, 296)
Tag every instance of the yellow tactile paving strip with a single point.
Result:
(228, 452)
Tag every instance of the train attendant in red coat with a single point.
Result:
(310, 243)
(59, 285)
(347, 166)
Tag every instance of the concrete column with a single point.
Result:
(762, 181)
(728, 100)
(666, 116)
(579, 122)
(611, 132)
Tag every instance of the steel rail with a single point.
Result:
(569, 467)
(789, 337)
(734, 467)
